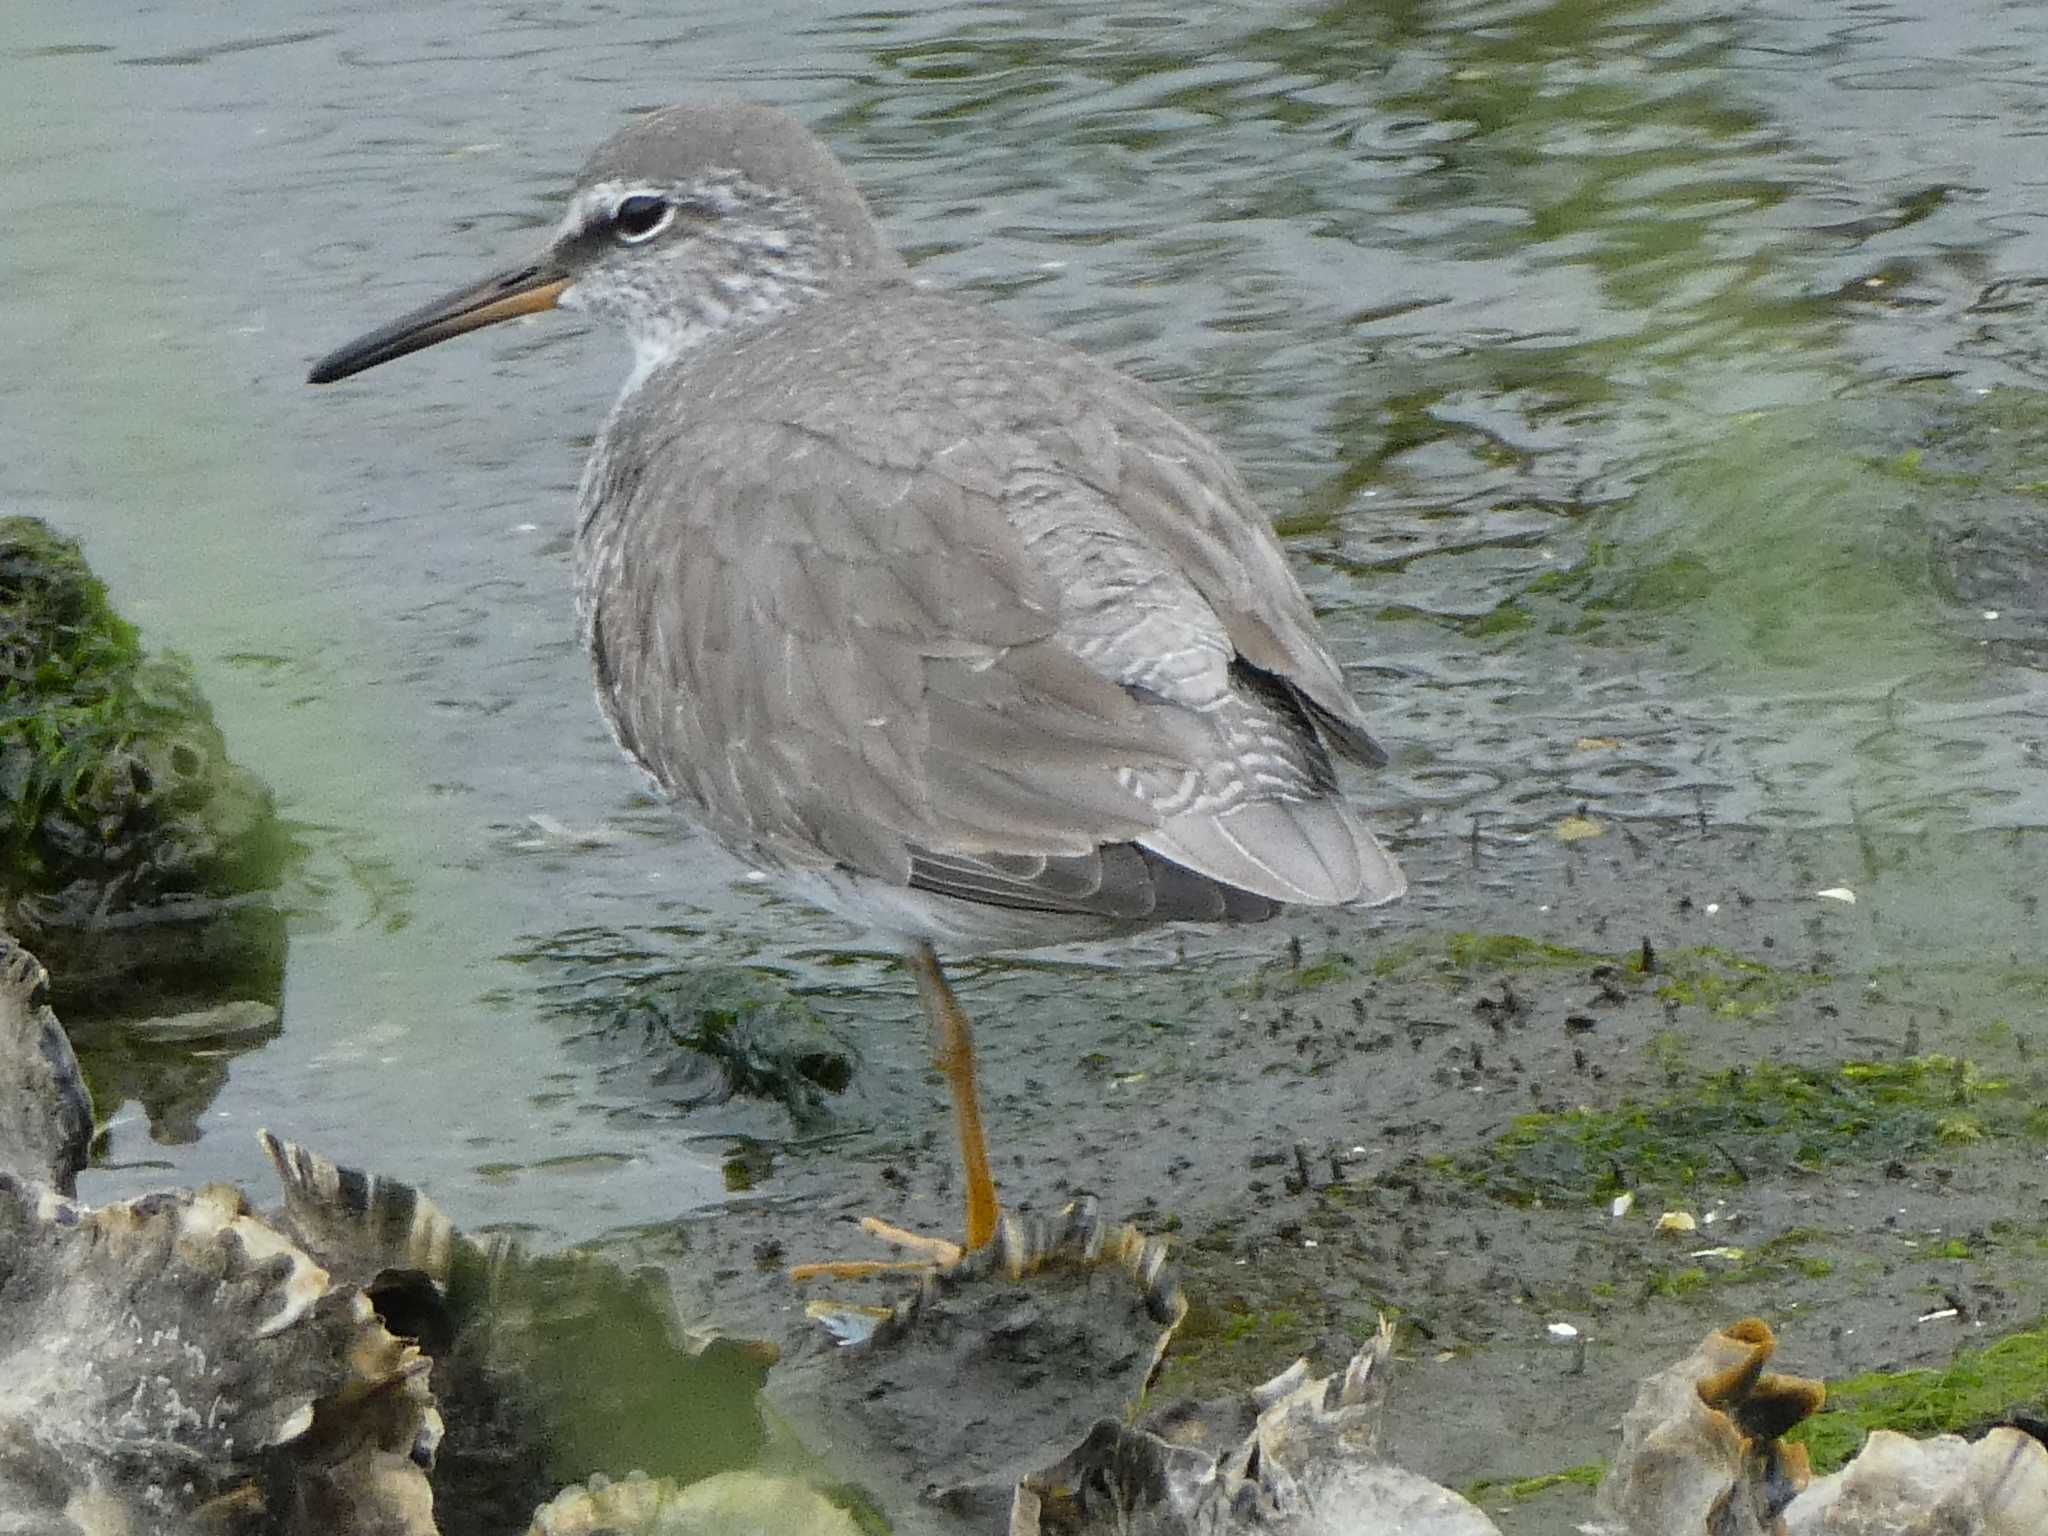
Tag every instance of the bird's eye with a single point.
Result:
(641, 217)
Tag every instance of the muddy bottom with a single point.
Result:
(1637, 1083)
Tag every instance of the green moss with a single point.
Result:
(1729, 984)
(1982, 1383)
(1237, 1338)
(1510, 618)
(1295, 974)
(1678, 1282)
(1586, 1475)
(1512, 952)
(119, 805)
(1763, 1115)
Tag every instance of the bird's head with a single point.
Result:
(689, 222)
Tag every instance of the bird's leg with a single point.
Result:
(953, 1050)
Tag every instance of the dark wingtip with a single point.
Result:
(1346, 736)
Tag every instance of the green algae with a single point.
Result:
(1518, 1490)
(1761, 1116)
(1982, 1383)
(1297, 973)
(1729, 984)
(110, 761)
(1233, 1339)
(1512, 951)
(733, 1031)
(1704, 976)
(126, 834)
(1680, 1282)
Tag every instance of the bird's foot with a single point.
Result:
(1073, 1239)
(938, 1253)
(1082, 1272)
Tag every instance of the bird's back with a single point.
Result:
(889, 587)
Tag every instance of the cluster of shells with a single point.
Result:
(182, 1364)
(176, 1362)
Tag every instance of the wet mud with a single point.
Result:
(1576, 1102)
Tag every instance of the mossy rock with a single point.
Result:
(722, 1032)
(125, 828)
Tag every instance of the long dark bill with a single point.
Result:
(505, 296)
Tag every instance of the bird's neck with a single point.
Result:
(715, 310)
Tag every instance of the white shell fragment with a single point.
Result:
(1840, 893)
(727, 1504)
(1310, 1466)
(1899, 1486)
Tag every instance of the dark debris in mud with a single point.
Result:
(1436, 1121)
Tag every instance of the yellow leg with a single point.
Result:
(953, 1049)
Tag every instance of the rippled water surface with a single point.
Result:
(1570, 344)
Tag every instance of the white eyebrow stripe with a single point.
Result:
(586, 208)
(598, 202)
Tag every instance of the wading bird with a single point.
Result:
(952, 629)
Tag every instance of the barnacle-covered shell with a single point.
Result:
(728, 1504)
(45, 1110)
(1700, 1453)
(173, 1358)
(1309, 1466)
(546, 1366)
(1944, 1486)
(360, 1224)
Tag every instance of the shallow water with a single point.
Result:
(1503, 307)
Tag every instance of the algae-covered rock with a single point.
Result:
(722, 1032)
(127, 834)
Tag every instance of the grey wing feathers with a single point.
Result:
(1180, 490)
(1119, 881)
(1050, 661)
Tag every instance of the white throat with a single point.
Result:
(655, 347)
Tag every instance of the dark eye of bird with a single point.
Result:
(641, 216)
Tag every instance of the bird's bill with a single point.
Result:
(505, 296)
